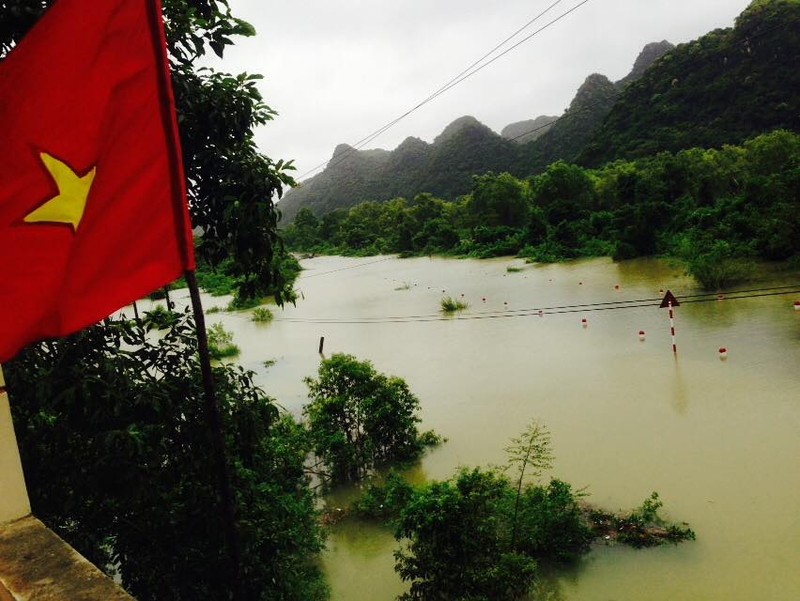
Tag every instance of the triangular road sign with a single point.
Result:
(669, 300)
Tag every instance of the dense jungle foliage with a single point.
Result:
(723, 88)
(718, 209)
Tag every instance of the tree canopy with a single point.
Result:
(716, 208)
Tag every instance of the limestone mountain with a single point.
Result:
(566, 138)
(725, 87)
(522, 132)
(464, 148)
(650, 54)
(443, 168)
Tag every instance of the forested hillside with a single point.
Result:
(719, 210)
(728, 86)
(724, 88)
(465, 147)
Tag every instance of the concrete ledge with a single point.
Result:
(36, 565)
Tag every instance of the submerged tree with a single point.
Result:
(360, 419)
(530, 454)
(480, 537)
(457, 543)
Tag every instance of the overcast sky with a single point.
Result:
(337, 71)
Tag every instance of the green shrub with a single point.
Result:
(242, 304)
(384, 501)
(642, 527)
(160, 318)
(220, 342)
(262, 315)
(451, 305)
(716, 273)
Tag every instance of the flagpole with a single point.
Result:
(184, 236)
(214, 417)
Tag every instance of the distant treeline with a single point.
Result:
(718, 209)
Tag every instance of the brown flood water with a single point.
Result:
(719, 440)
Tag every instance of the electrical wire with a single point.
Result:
(554, 310)
(315, 275)
(466, 74)
(363, 141)
(455, 81)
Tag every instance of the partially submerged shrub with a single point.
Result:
(451, 305)
(262, 315)
(220, 342)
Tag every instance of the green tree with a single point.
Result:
(564, 192)
(499, 200)
(303, 232)
(550, 524)
(360, 419)
(457, 547)
(116, 452)
(529, 454)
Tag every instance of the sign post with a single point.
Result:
(670, 302)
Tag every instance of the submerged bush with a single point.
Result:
(642, 527)
(481, 536)
(262, 315)
(715, 273)
(220, 342)
(451, 305)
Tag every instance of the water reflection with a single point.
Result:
(680, 392)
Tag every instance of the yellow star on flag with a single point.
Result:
(73, 191)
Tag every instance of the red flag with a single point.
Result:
(93, 210)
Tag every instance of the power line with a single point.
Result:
(554, 310)
(455, 79)
(314, 275)
(465, 74)
(461, 77)
(690, 61)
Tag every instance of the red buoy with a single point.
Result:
(641, 335)
(797, 305)
(723, 352)
(585, 322)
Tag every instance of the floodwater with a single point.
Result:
(718, 439)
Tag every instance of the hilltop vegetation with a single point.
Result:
(444, 168)
(714, 208)
(729, 85)
(723, 88)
